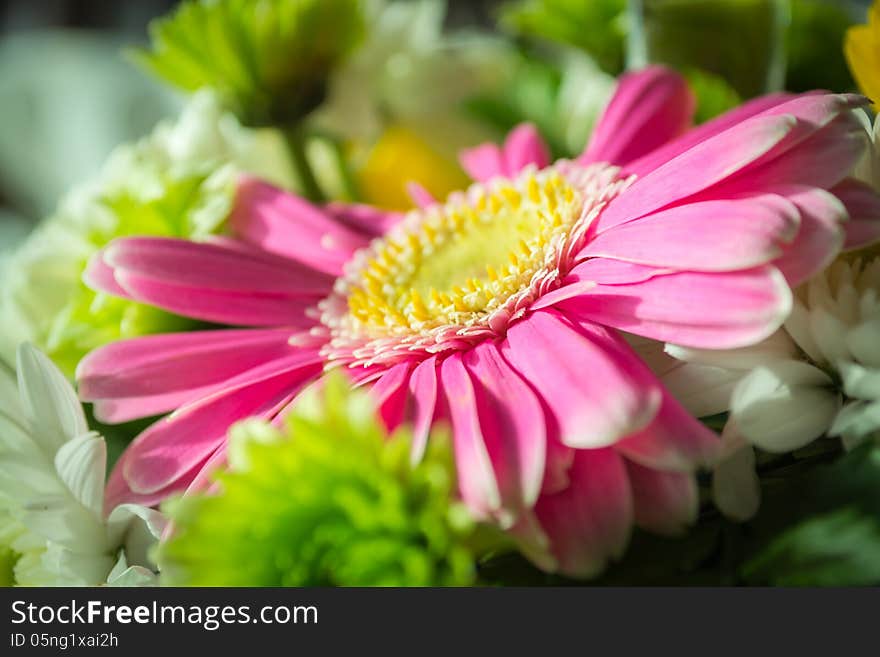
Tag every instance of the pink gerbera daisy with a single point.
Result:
(498, 310)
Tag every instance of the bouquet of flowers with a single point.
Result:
(592, 297)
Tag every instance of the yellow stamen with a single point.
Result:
(457, 263)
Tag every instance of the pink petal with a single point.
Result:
(811, 112)
(694, 309)
(559, 460)
(512, 423)
(483, 162)
(291, 226)
(718, 235)
(215, 283)
(811, 140)
(701, 133)
(390, 392)
(365, 219)
(820, 237)
(522, 147)
(119, 492)
(98, 275)
(115, 411)
(674, 441)
(863, 205)
(205, 480)
(159, 364)
(222, 307)
(664, 502)
(594, 386)
(604, 271)
(421, 196)
(822, 159)
(423, 405)
(212, 266)
(649, 108)
(696, 169)
(589, 523)
(171, 447)
(359, 376)
(476, 477)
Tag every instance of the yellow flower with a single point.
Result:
(398, 157)
(862, 48)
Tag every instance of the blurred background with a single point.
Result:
(68, 95)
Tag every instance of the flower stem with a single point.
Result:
(295, 139)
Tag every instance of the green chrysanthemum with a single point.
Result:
(268, 59)
(330, 500)
(178, 182)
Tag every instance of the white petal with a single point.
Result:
(778, 346)
(856, 421)
(859, 381)
(830, 335)
(119, 567)
(798, 327)
(137, 529)
(73, 568)
(652, 352)
(132, 576)
(736, 489)
(23, 478)
(10, 404)
(123, 516)
(784, 405)
(64, 521)
(864, 342)
(48, 400)
(15, 438)
(703, 390)
(81, 464)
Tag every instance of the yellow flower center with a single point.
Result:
(464, 259)
(461, 271)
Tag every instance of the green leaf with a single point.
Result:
(841, 548)
(714, 95)
(818, 524)
(596, 27)
(814, 46)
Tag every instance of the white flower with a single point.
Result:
(52, 470)
(40, 279)
(407, 71)
(818, 375)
